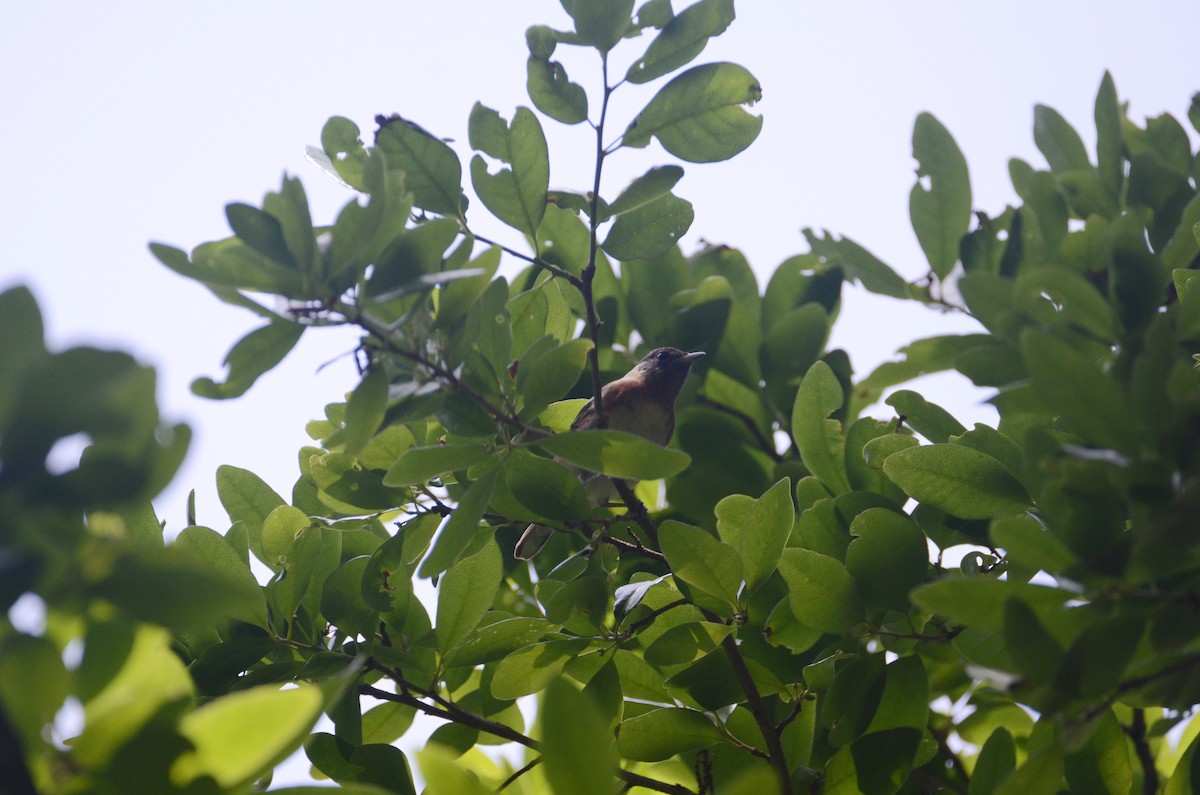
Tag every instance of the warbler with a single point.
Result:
(642, 402)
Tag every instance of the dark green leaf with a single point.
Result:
(341, 600)
(253, 355)
(434, 175)
(495, 641)
(600, 23)
(699, 115)
(616, 454)
(888, 557)
(682, 39)
(1058, 141)
(655, 183)
(461, 527)
(928, 419)
(1109, 139)
(364, 411)
(247, 499)
(649, 231)
(760, 537)
(545, 488)
(33, 684)
(531, 669)
(548, 377)
(553, 93)
(996, 760)
(979, 601)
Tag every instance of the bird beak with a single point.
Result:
(691, 357)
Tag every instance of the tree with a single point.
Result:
(771, 608)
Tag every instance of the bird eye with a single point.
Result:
(662, 356)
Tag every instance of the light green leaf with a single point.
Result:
(958, 480)
(682, 39)
(822, 446)
(662, 733)
(465, 593)
(531, 669)
(996, 760)
(240, 736)
(616, 454)
(761, 535)
(252, 355)
(905, 700)
(821, 592)
(280, 529)
(516, 195)
(649, 231)
(495, 641)
(941, 211)
(433, 173)
(418, 465)
(701, 560)
(579, 751)
(699, 115)
(928, 419)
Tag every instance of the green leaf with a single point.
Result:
(418, 465)
(941, 211)
(649, 231)
(578, 751)
(1058, 141)
(1074, 387)
(531, 669)
(546, 488)
(433, 173)
(33, 685)
(858, 264)
(851, 702)
(493, 642)
(701, 560)
(238, 737)
(342, 602)
(760, 536)
(1102, 765)
(247, 499)
(221, 561)
(462, 525)
(553, 93)
(822, 446)
(364, 411)
(958, 480)
(996, 760)
(682, 39)
(821, 592)
(662, 733)
(260, 231)
(616, 454)
(465, 593)
(600, 23)
(1109, 138)
(905, 700)
(979, 601)
(516, 195)
(652, 185)
(548, 377)
(253, 355)
(698, 116)
(888, 557)
(928, 419)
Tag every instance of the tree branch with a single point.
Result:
(758, 708)
(766, 444)
(1137, 733)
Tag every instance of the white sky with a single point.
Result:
(127, 122)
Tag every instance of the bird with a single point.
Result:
(641, 402)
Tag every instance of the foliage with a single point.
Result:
(771, 608)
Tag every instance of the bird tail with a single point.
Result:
(532, 541)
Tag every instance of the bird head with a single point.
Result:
(665, 369)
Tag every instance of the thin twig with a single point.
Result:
(758, 709)
(766, 444)
(519, 773)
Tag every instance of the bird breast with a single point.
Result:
(651, 421)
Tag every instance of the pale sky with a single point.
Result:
(128, 122)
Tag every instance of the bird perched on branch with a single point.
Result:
(641, 402)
